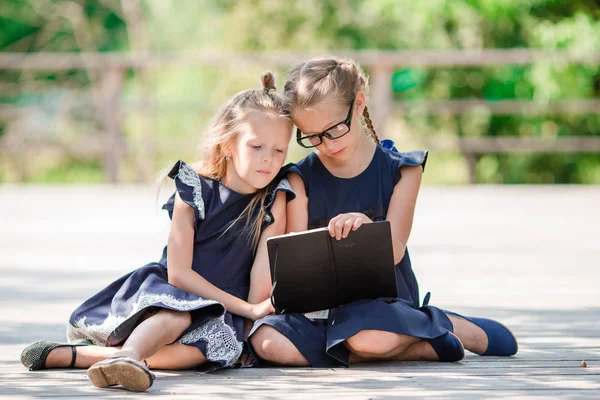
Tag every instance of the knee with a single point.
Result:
(377, 343)
(175, 320)
(270, 345)
(263, 342)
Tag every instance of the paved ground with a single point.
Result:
(526, 255)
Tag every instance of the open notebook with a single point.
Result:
(312, 271)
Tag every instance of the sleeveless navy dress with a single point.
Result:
(223, 258)
(321, 341)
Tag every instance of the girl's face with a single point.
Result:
(324, 115)
(258, 152)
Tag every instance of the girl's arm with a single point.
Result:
(260, 275)
(400, 212)
(179, 260)
(402, 208)
(297, 213)
(297, 209)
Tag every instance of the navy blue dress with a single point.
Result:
(223, 258)
(320, 341)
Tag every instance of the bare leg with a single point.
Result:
(152, 334)
(365, 346)
(176, 356)
(419, 351)
(269, 344)
(378, 345)
(473, 337)
(60, 357)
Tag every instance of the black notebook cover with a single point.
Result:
(312, 271)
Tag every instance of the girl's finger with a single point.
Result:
(347, 227)
(357, 224)
(339, 228)
(331, 225)
(331, 228)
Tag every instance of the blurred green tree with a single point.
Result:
(329, 25)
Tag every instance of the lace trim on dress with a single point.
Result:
(221, 340)
(190, 177)
(99, 333)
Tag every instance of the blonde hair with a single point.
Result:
(224, 128)
(313, 81)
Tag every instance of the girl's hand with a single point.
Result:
(340, 226)
(261, 309)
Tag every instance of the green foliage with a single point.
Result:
(71, 171)
(328, 25)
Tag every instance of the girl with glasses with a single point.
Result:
(351, 179)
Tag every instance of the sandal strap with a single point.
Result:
(73, 357)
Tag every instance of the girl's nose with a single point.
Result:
(267, 157)
(329, 143)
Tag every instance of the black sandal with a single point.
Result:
(34, 356)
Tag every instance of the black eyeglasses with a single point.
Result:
(334, 132)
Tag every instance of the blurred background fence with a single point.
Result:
(107, 90)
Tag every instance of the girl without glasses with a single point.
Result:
(188, 310)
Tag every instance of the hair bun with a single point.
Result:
(268, 81)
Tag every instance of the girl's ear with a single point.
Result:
(360, 102)
(226, 149)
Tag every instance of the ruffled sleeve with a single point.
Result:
(409, 159)
(189, 186)
(280, 184)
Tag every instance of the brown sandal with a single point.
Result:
(124, 371)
